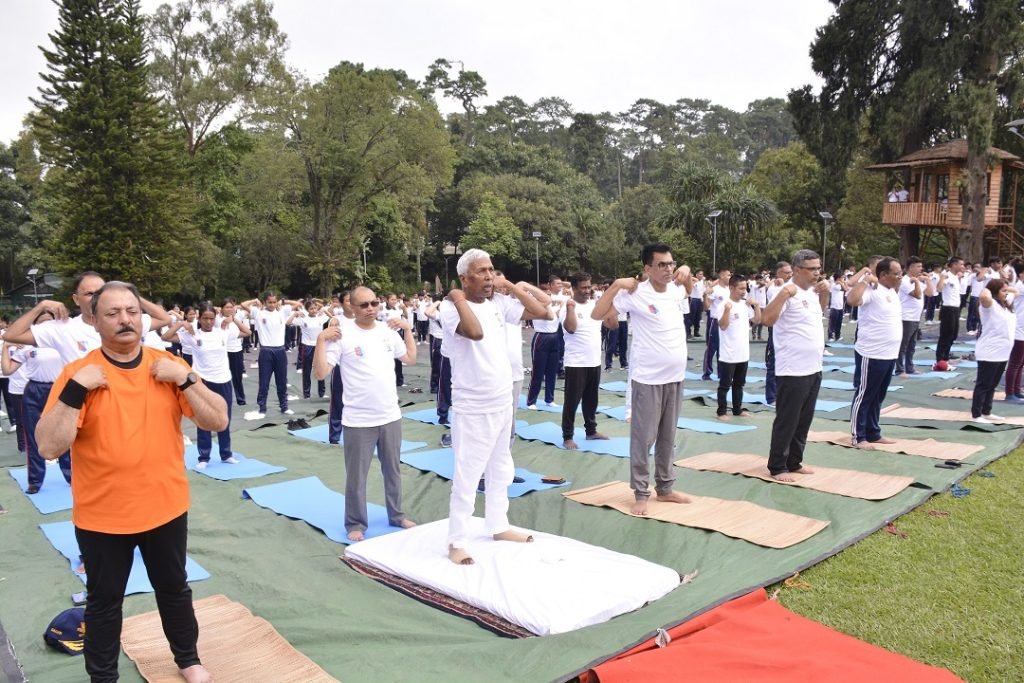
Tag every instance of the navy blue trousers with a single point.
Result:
(236, 362)
(696, 311)
(870, 383)
(712, 348)
(444, 390)
(204, 439)
(307, 373)
(273, 360)
(544, 350)
(337, 403)
(33, 402)
(435, 363)
(769, 368)
(835, 323)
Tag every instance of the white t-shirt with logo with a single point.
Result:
(74, 338)
(836, 297)
(951, 291)
(235, 342)
(717, 296)
(270, 325)
(658, 352)
(310, 328)
(1018, 310)
(734, 341)
(210, 352)
(583, 347)
(39, 365)
(367, 361)
(911, 307)
(481, 370)
(798, 335)
(879, 324)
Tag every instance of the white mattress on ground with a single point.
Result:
(553, 585)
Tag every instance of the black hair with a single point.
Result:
(81, 276)
(579, 277)
(736, 278)
(114, 284)
(883, 265)
(649, 250)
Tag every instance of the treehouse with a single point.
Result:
(932, 205)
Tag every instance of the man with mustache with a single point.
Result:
(119, 409)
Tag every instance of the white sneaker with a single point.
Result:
(12, 429)
(981, 419)
(551, 405)
(255, 415)
(188, 441)
(288, 412)
(201, 465)
(532, 406)
(826, 352)
(994, 418)
(298, 370)
(245, 375)
(231, 461)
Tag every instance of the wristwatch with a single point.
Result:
(190, 379)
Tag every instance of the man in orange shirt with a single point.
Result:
(119, 409)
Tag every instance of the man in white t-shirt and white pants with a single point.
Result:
(879, 331)
(794, 315)
(473, 321)
(582, 359)
(657, 309)
(365, 352)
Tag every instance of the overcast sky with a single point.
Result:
(598, 55)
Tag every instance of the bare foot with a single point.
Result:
(513, 535)
(803, 470)
(724, 418)
(784, 477)
(570, 445)
(863, 445)
(672, 497)
(196, 673)
(459, 555)
(639, 508)
(744, 413)
(356, 536)
(596, 436)
(884, 440)
(407, 523)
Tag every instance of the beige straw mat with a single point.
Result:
(851, 483)
(233, 644)
(899, 412)
(929, 448)
(736, 518)
(966, 393)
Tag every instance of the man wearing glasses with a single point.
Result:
(365, 352)
(657, 309)
(74, 337)
(799, 341)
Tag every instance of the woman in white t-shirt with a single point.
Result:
(998, 324)
(188, 324)
(311, 323)
(210, 357)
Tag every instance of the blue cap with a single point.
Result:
(67, 631)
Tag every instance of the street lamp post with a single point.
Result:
(713, 219)
(825, 218)
(536, 251)
(33, 276)
(449, 251)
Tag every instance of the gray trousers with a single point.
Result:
(653, 421)
(359, 443)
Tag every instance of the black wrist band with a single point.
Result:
(73, 395)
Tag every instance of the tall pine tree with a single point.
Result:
(121, 211)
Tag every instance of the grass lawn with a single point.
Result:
(950, 594)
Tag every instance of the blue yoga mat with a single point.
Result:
(820, 405)
(320, 507)
(442, 463)
(838, 345)
(851, 369)
(247, 468)
(55, 494)
(62, 536)
(842, 385)
(551, 433)
(619, 387)
(320, 435)
(956, 348)
(703, 426)
(959, 363)
(428, 415)
(697, 377)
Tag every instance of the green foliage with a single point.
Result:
(119, 208)
(494, 231)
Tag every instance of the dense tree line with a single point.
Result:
(179, 150)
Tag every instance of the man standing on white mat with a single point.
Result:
(657, 364)
(473, 319)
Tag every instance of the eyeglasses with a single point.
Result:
(666, 265)
(367, 304)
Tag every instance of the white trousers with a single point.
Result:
(481, 449)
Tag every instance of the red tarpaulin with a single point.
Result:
(757, 640)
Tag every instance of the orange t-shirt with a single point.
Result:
(128, 457)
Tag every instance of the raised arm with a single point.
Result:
(534, 308)
(773, 310)
(20, 331)
(209, 411)
(158, 314)
(469, 326)
(321, 367)
(58, 427)
(604, 306)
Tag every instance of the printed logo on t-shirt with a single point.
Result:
(199, 342)
(82, 346)
(358, 351)
(33, 354)
(653, 309)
